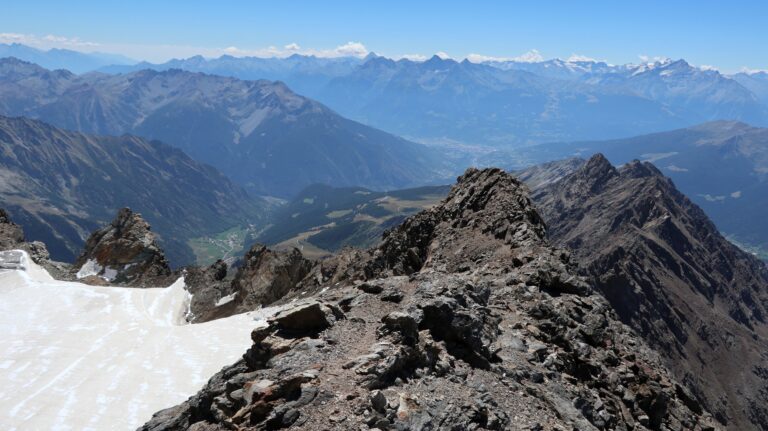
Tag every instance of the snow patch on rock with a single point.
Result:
(109, 274)
(226, 299)
(91, 267)
(76, 356)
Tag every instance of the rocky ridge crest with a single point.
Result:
(263, 277)
(668, 273)
(464, 318)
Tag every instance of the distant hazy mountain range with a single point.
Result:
(500, 103)
(722, 166)
(509, 103)
(259, 133)
(756, 83)
(62, 185)
(75, 61)
(304, 74)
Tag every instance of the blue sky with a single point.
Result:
(728, 35)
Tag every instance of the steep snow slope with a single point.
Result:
(74, 356)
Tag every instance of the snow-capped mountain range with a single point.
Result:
(505, 103)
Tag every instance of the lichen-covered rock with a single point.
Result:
(124, 253)
(308, 317)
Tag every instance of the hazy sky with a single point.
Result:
(728, 35)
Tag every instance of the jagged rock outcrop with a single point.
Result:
(210, 290)
(465, 318)
(124, 253)
(666, 270)
(267, 275)
(263, 277)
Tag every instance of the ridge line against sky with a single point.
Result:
(708, 33)
(349, 49)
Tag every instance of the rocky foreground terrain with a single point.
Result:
(465, 317)
(697, 299)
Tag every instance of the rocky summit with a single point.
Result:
(667, 272)
(464, 318)
(124, 253)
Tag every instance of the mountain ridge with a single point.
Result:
(453, 96)
(695, 297)
(464, 316)
(57, 58)
(720, 165)
(61, 185)
(254, 131)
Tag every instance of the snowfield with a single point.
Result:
(79, 357)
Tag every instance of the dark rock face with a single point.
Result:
(208, 286)
(264, 277)
(268, 275)
(11, 234)
(465, 318)
(668, 273)
(12, 237)
(124, 253)
(722, 166)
